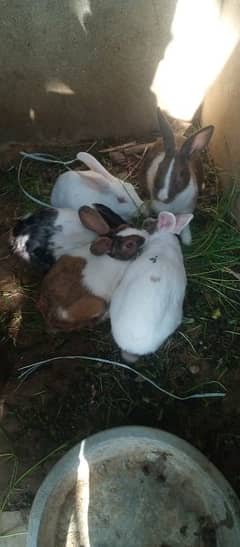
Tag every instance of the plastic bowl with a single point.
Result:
(134, 487)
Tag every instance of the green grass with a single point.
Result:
(209, 333)
(16, 479)
(213, 261)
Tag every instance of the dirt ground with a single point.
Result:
(69, 400)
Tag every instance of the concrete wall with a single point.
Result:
(77, 69)
(222, 102)
(72, 69)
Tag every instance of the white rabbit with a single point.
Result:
(76, 188)
(42, 237)
(146, 308)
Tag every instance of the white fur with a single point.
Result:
(64, 233)
(164, 192)
(146, 308)
(102, 274)
(20, 246)
(184, 202)
(62, 313)
(71, 233)
(74, 189)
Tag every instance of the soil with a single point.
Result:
(68, 400)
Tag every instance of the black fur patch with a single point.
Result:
(113, 219)
(39, 228)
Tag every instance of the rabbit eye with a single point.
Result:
(122, 200)
(129, 244)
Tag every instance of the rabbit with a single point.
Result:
(78, 288)
(146, 307)
(171, 174)
(41, 238)
(75, 188)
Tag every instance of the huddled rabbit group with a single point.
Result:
(97, 264)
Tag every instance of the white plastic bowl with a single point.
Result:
(134, 487)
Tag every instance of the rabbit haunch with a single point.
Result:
(64, 302)
(79, 287)
(76, 188)
(146, 307)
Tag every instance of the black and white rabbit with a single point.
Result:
(43, 237)
(172, 171)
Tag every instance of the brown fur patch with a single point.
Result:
(62, 288)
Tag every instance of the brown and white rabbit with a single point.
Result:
(172, 172)
(78, 288)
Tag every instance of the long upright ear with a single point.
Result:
(92, 220)
(95, 180)
(109, 215)
(94, 164)
(181, 222)
(101, 246)
(166, 222)
(166, 131)
(197, 142)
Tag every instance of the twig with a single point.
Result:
(137, 149)
(118, 147)
(235, 274)
(91, 146)
(137, 164)
(5, 257)
(4, 536)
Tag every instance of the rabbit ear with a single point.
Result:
(197, 142)
(181, 222)
(95, 180)
(94, 164)
(166, 222)
(102, 246)
(92, 220)
(109, 215)
(166, 131)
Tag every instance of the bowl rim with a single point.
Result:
(69, 460)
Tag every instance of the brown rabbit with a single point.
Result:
(78, 288)
(172, 172)
(64, 302)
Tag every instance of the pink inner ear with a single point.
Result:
(182, 221)
(166, 222)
